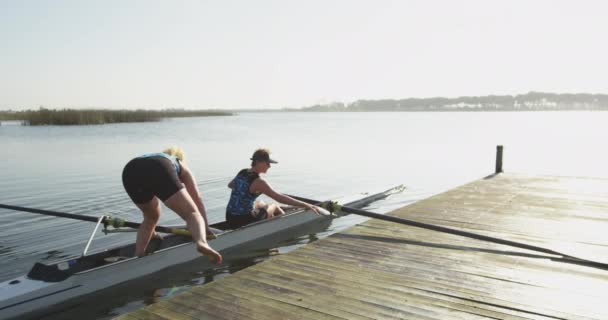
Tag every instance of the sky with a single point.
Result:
(287, 53)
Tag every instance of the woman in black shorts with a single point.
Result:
(163, 176)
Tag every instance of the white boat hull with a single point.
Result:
(26, 296)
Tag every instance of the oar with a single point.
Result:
(333, 206)
(107, 221)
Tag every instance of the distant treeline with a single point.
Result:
(532, 101)
(95, 116)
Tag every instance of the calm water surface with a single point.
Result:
(77, 169)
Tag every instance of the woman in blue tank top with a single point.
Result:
(156, 177)
(243, 208)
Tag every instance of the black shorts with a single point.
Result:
(144, 178)
(237, 221)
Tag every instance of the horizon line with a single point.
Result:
(3, 108)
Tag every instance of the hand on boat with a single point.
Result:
(210, 234)
(315, 209)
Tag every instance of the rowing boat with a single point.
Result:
(48, 285)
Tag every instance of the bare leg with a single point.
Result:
(260, 205)
(151, 212)
(274, 210)
(184, 206)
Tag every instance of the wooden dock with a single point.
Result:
(383, 270)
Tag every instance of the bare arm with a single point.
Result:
(261, 186)
(187, 177)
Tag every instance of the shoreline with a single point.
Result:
(98, 116)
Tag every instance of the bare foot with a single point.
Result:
(206, 250)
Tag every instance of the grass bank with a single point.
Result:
(99, 116)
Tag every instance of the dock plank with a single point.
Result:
(383, 270)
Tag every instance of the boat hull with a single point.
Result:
(25, 296)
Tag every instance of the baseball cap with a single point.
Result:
(262, 155)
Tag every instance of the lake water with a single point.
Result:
(77, 169)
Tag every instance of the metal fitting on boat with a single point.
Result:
(332, 206)
(114, 222)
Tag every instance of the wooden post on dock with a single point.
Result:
(498, 159)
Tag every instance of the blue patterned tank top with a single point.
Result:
(241, 200)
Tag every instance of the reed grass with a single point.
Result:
(100, 116)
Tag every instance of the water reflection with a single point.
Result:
(54, 255)
(5, 250)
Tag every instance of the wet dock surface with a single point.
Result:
(384, 270)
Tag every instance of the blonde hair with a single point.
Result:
(176, 152)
